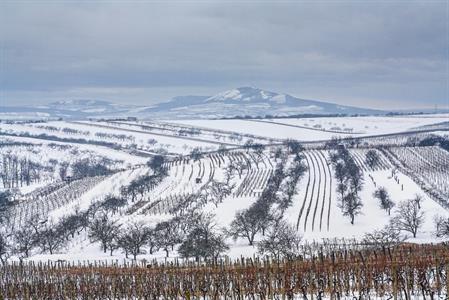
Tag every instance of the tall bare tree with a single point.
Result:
(409, 217)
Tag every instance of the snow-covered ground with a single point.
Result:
(314, 211)
(322, 200)
(49, 156)
(311, 129)
(100, 132)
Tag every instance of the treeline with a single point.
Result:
(193, 232)
(265, 216)
(18, 171)
(88, 168)
(349, 182)
(294, 116)
(145, 183)
(66, 130)
(121, 137)
(408, 217)
(435, 141)
(48, 236)
(45, 136)
(103, 135)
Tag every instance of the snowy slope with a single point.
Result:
(321, 199)
(312, 129)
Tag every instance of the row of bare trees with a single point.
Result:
(18, 171)
(265, 216)
(350, 182)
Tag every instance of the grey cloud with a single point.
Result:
(143, 52)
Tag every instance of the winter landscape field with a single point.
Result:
(126, 191)
(244, 150)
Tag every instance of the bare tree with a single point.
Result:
(152, 240)
(5, 203)
(372, 158)
(168, 235)
(248, 144)
(409, 217)
(196, 154)
(341, 175)
(418, 200)
(385, 201)
(351, 206)
(246, 224)
(387, 236)
(24, 241)
(293, 146)
(442, 227)
(63, 170)
(222, 148)
(103, 230)
(203, 240)
(356, 180)
(133, 238)
(157, 163)
(74, 223)
(230, 171)
(49, 237)
(4, 247)
(241, 165)
(218, 191)
(113, 204)
(281, 241)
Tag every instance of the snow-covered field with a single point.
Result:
(106, 133)
(311, 129)
(315, 228)
(314, 212)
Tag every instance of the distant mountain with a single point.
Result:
(248, 101)
(89, 106)
(243, 101)
(72, 109)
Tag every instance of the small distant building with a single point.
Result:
(198, 180)
(131, 119)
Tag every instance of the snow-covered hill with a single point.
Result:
(228, 177)
(243, 101)
(89, 106)
(248, 101)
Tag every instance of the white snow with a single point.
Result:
(313, 223)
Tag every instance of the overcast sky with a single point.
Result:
(374, 54)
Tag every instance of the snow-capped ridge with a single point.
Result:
(246, 94)
(237, 102)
